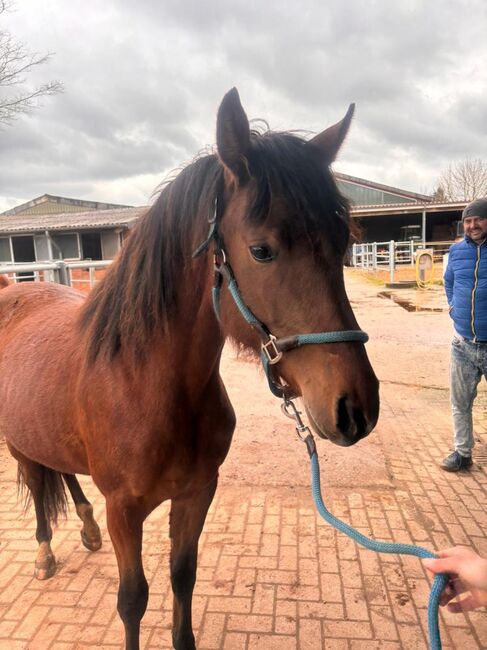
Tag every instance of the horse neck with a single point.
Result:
(193, 343)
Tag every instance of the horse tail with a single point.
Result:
(53, 491)
(3, 281)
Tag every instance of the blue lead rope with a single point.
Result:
(440, 580)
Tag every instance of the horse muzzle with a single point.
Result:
(350, 422)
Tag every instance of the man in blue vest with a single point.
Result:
(466, 290)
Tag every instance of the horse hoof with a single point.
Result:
(91, 543)
(46, 568)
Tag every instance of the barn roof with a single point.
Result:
(48, 203)
(389, 189)
(93, 219)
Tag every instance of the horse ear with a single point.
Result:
(331, 139)
(233, 136)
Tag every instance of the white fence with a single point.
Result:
(390, 254)
(375, 255)
(55, 271)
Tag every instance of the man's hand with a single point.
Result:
(468, 575)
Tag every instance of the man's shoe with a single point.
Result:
(455, 462)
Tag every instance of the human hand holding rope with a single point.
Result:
(468, 575)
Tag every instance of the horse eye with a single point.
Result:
(262, 253)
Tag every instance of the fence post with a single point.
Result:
(92, 273)
(411, 251)
(354, 255)
(374, 255)
(392, 260)
(63, 273)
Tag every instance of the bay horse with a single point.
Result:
(125, 385)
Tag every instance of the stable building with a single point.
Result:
(53, 227)
(425, 222)
(387, 213)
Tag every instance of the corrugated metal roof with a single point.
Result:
(94, 219)
(362, 195)
(80, 205)
(389, 189)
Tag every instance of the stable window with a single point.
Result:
(5, 252)
(23, 247)
(91, 246)
(24, 251)
(66, 247)
(110, 243)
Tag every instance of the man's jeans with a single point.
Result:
(467, 365)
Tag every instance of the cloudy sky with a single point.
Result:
(143, 81)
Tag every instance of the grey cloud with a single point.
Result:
(143, 82)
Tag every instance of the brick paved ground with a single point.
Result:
(272, 575)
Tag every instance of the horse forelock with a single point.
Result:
(140, 290)
(284, 166)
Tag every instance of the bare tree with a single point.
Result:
(15, 65)
(439, 194)
(465, 180)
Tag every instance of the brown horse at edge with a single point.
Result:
(125, 385)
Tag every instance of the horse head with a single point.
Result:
(284, 229)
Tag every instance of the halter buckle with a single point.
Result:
(271, 351)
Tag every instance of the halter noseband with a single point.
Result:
(272, 348)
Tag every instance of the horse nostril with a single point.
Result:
(343, 417)
(360, 423)
(350, 420)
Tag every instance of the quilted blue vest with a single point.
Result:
(466, 288)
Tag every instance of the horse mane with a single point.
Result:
(139, 290)
(139, 293)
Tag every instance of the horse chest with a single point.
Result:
(194, 457)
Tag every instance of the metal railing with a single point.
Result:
(376, 255)
(60, 271)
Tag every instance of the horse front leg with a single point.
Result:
(186, 522)
(125, 518)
